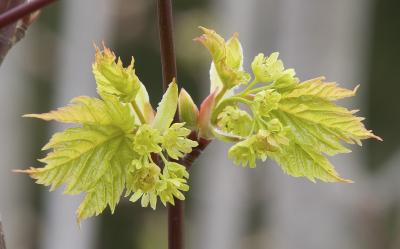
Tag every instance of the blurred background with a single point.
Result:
(228, 207)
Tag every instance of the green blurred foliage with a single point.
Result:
(384, 86)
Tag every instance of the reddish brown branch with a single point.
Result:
(168, 58)
(20, 11)
(168, 62)
(7, 34)
(14, 32)
(189, 159)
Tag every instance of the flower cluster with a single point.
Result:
(145, 178)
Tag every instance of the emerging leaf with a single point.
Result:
(226, 69)
(143, 103)
(188, 111)
(206, 108)
(112, 78)
(167, 108)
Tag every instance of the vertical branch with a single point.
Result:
(2, 241)
(168, 61)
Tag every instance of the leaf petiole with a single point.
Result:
(138, 112)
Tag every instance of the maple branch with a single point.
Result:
(12, 32)
(18, 12)
(189, 159)
(168, 62)
(168, 58)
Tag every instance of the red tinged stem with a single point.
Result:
(168, 62)
(168, 58)
(22, 10)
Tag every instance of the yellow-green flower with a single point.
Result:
(168, 188)
(236, 121)
(150, 197)
(243, 153)
(175, 141)
(266, 101)
(145, 178)
(269, 69)
(175, 170)
(253, 148)
(147, 140)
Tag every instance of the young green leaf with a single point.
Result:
(143, 103)
(92, 111)
(234, 58)
(112, 78)
(89, 159)
(302, 160)
(333, 121)
(109, 187)
(188, 111)
(166, 108)
(226, 70)
(326, 90)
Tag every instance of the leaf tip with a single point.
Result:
(346, 180)
(356, 89)
(377, 137)
(34, 115)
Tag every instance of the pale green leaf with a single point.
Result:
(301, 160)
(226, 70)
(338, 122)
(113, 78)
(87, 159)
(108, 188)
(234, 58)
(318, 88)
(216, 82)
(143, 102)
(188, 111)
(305, 132)
(92, 111)
(166, 108)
